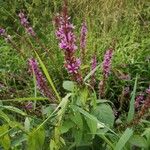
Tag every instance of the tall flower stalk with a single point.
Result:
(144, 109)
(40, 80)
(106, 68)
(139, 100)
(8, 39)
(24, 22)
(67, 42)
(83, 39)
(29, 29)
(93, 66)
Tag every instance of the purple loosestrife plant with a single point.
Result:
(4, 34)
(24, 22)
(83, 39)
(2, 31)
(106, 68)
(67, 42)
(101, 88)
(139, 100)
(148, 91)
(40, 80)
(107, 63)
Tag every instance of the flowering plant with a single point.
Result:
(86, 113)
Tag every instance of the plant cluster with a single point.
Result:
(87, 113)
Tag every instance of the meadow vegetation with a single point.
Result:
(75, 75)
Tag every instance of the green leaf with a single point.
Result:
(47, 76)
(4, 116)
(146, 134)
(104, 113)
(47, 110)
(5, 140)
(68, 85)
(36, 140)
(62, 105)
(18, 140)
(132, 108)
(84, 95)
(7, 131)
(77, 136)
(106, 140)
(52, 145)
(92, 125)
(124, 139)
(93, 118)
(139, 141)
(77, 119)
(66, 126)
(27, 124)
(14, 109)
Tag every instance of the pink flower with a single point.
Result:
(83, 35)
(41, 81)
(67, 42)
(24, 22)
(139, 100)
(65, 34)
(73, 67)
(107, 62)
(2, 31)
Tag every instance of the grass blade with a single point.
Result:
(132, 108)
(26, 99)
(14, 109)
(47, 76)
(124, 139)
(91, 73)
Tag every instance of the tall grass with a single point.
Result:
(126, 22)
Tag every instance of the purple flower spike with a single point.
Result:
(73, 67)
(67, 42)
(139, 100)
(148, 90)
(2, 31)
(94, 62)
(4, 34)
(107, 62)
(83, 35)
(24, 22)
(23, 19)
(106, 67)
(41, 82)
(31, 31)
(65, 34)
